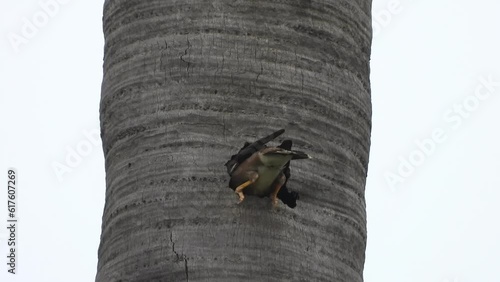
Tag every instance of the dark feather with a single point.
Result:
(289, 198)
(248, 149)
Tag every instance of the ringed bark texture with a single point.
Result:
(185, 84)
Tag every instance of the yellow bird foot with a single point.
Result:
(239, 189)
(274, 195)
(241, 197)
(274, 200)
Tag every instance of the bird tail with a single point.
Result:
(298, 155)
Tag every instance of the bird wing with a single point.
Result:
(249, 149)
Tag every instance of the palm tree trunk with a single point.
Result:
(185, 84)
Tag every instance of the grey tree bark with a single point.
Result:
(185, 84)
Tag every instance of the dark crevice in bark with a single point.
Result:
(185, 54)
(180, 257)
(186, 269)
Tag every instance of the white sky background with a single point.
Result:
(437, 221)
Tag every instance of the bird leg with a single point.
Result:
(274, 195)
(239, 189)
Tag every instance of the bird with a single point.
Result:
(264, 171)
(287, 197)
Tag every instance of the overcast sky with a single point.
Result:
(433, 188)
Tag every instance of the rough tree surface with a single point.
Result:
(185, 84)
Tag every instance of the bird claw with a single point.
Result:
(274, 202)
(241, 197)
